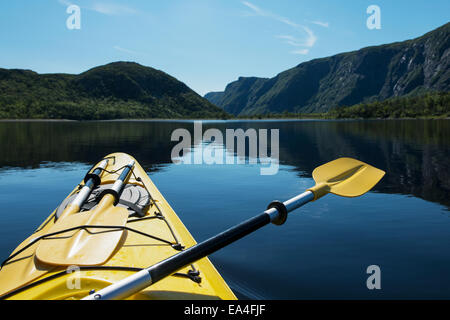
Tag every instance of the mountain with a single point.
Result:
(115, 90)
(370, 74)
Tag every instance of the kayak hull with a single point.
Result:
(146, 241)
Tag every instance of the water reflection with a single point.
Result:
(414, 153)
(323, 251)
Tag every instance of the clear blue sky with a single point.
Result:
(204, 43)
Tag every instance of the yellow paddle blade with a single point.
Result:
(84, 246)
(345, 177)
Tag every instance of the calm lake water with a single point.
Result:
(322, 251)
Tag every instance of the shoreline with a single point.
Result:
(38, 120)
(224, 120)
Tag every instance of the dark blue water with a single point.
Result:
(323, 250)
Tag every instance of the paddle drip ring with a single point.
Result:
(282, 212)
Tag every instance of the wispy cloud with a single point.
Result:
(307, 42)
(126, 50)
(65, 2)
(322, 24)
(300, 51)
(293, 41)
(264, 13)
(111, 9)
(311, 40)
(256, 9)
(296, 42)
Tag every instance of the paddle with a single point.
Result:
(90, 182)
(344, 177)
(90, 237)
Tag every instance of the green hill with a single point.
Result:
(116, 90)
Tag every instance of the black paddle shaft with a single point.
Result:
(117, 187)
(275, 213)
(198, 251)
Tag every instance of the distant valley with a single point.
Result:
(413, 67)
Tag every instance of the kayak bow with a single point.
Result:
(152, 232)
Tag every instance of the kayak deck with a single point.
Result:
(146, 241)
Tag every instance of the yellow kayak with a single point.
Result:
(111, 235)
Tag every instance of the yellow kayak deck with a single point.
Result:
(146, 241)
